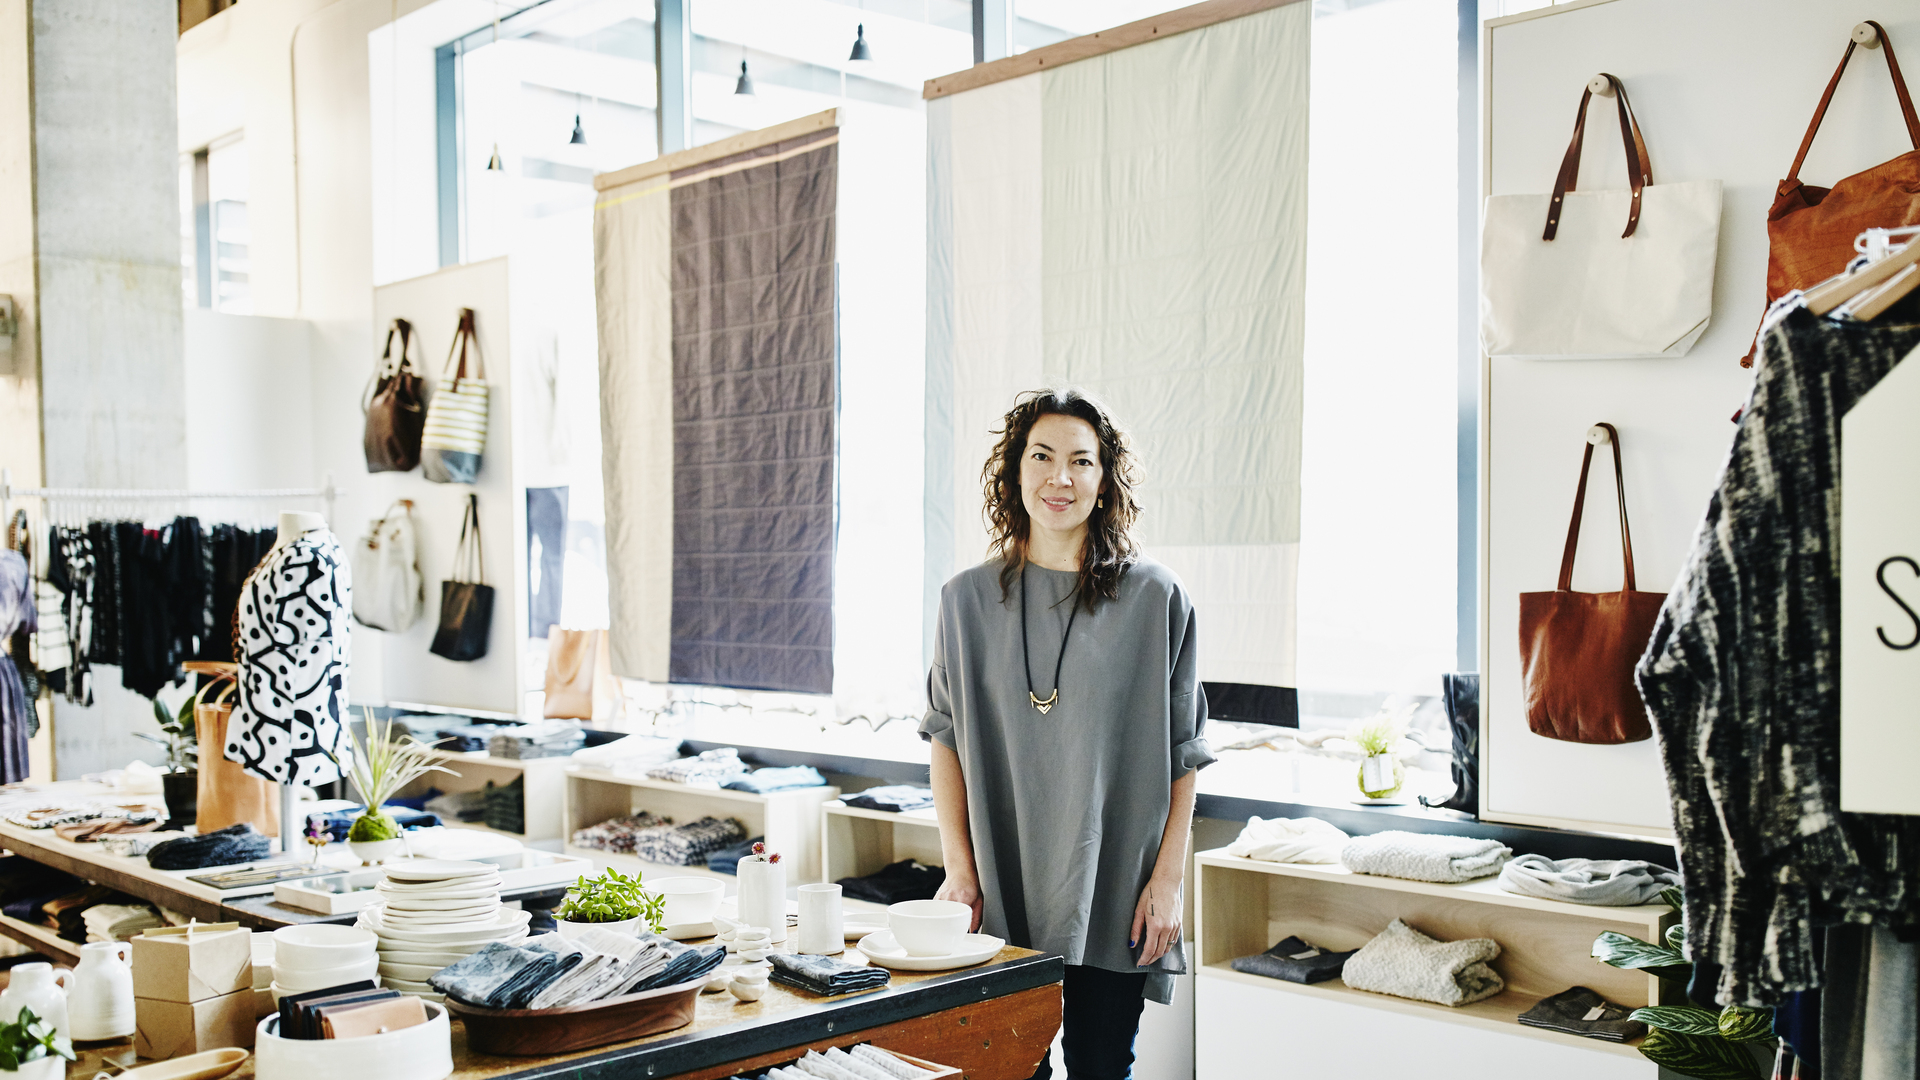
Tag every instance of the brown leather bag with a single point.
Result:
(227, 793)
(396, 406)
(1577, 650)
(580, 682)
(1811, 229)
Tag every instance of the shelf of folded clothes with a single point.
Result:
(882, 856)
(670, 827)
(516, 797)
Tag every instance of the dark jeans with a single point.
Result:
(1100, 1018)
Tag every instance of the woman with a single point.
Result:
(1065, 714)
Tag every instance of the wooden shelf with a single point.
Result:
(789, 820)
(855, 841)
(41, 940)
(1499, 1013)
(910, 817)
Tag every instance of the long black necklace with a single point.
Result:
(1027, 663)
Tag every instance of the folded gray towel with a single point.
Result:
(1424, 857)
(1608, 882)
(1406, 963)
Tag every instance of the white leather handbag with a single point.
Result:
(1559, 280)
(388, 592)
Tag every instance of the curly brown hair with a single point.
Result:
(1110, 550)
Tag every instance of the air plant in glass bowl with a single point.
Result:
(1381, 772)
(382, 764)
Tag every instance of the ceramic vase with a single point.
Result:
(1381, 776)
(100, 1004)
(568, 929)
(38, 987)
(51, 1067)
(371, 852)
(823, 928)
(763, 896)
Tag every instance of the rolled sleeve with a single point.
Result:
(937, 724)
(1187, 706)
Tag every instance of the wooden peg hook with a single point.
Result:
(1603, 86)
(1597, 435)
(1865, 34)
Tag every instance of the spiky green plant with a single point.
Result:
(30, 1038)
(381, 765)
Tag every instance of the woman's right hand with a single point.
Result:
(964, 888)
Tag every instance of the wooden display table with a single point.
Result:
(994, 1022)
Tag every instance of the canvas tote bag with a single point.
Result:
(1559, 279)
(388, 593)
(1577, 650)
(456, 430)
(580, 682)
(1810, 230)
(466, 601)
(227, 793)
(396, 406)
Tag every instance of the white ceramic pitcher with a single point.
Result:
(100, 1002)
(38, 987)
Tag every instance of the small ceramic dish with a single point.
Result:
(442, 916)
(490, 894)
(206, 1065)
(689, 931)
(314, 978)
(859, 926)
(408, 972)
(884, 951)
(468, 881)
(439, 958)
(417, 870)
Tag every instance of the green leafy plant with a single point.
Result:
(177, 734)
(383, 764)
(30, 1038)
(1376, 736)
(612, 897)
(1689, 1040)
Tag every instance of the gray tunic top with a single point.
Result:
(1067, 809)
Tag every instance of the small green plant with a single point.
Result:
(177, 734)
(1686, 1039)
(30, 1038)
(1376, 736)
(383, 764)
(612, 897)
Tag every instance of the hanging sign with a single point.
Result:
(1880, 597)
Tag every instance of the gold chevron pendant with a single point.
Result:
(1046, 706)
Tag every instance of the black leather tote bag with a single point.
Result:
(466, 602)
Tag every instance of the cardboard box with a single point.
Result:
(192, 963)
(169, 1029)
(263, 1004)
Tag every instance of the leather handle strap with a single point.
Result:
(1580, 504)
(470, 555)
(1899, 88)
(1639, 165)
(463, 336)
(387, 369)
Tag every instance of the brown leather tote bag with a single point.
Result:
(580, 682)
(1811, 230)
(396, 406)
(228, 794)
(1577, 650)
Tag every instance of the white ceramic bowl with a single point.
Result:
(302, 979)
(929, 927)
(422, 1052)
(570, 930)
(689, 899)
(315, 946)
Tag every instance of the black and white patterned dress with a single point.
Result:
(294, 645)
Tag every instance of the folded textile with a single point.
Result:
(458, 806)
(816, 1066)
(1406, 963)
(549, 738)
(519, 993)
(117, 922)
(1583, 1012)
(887, 1063)
(1295, 840)
(130, 846)
(630, 754)
(1609, 882)
(337, 823)
(825, 975)
(685, 964)
(860, 1070)
(233, 844)
(1295, 961)
(1424, 857)
(504, 806)
(907, 879)
(709, 768)
(892, 798)
(727, 859)
(52, 817)
(493, 976)
(87, 832)
(616, 834)
(605, 952)
(687, 845)
(761, 781)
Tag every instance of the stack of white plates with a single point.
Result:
(433, 912)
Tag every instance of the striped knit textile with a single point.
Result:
(456, 429)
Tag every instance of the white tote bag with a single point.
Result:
(388, 593)
(456, 430)
(1560, 280)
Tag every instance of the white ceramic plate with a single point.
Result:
(374, 918)
(473, 882)
(401, 939)
(409, 972)
(691, 930)
(412, 870)
(207, 1065)
(442, 911)
(859, 926)
(886, 952)
(416, 897)
(434, 960)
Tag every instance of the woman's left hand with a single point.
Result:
(1156, 920)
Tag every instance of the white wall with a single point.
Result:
(248, 425)
(1733, 110)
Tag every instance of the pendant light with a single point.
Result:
(860, 50)
(745, 85)
(579, 137)
(493, 163)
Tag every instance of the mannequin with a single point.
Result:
(295, 522)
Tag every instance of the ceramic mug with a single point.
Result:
(100, 1003)
(38, 987)
(822, 921)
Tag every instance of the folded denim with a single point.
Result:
(485, 979)
(685, 963)
(1295, 961)
(762, 781)
(824, 975)
(1583, 1012)
(727, 859)
(892, 798)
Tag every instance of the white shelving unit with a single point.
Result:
(1242, 906)
(542, 815)
(790, 820)
(855, 842)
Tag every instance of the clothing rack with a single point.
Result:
(109, 497)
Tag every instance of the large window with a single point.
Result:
(214, 238)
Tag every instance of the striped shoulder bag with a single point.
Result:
(456, 431)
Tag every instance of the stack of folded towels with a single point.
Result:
(549, 972)
(710, 768)
(1424, 857)
(1406, 963)
(824, 975)
(859, 1062)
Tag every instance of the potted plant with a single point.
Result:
(180, 783)
(1686, 1039)
(30, 1050)
(1381, 772)
(382, 764)
(611, 901)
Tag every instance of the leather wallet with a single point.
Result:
(370, 1018)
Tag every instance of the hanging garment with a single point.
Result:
(16, 613)
(71, 571)
(1742, 681)
(188, 562)
(290, 721)
(51, 651)
(103, 644)
(236, 552)
(147, 660)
